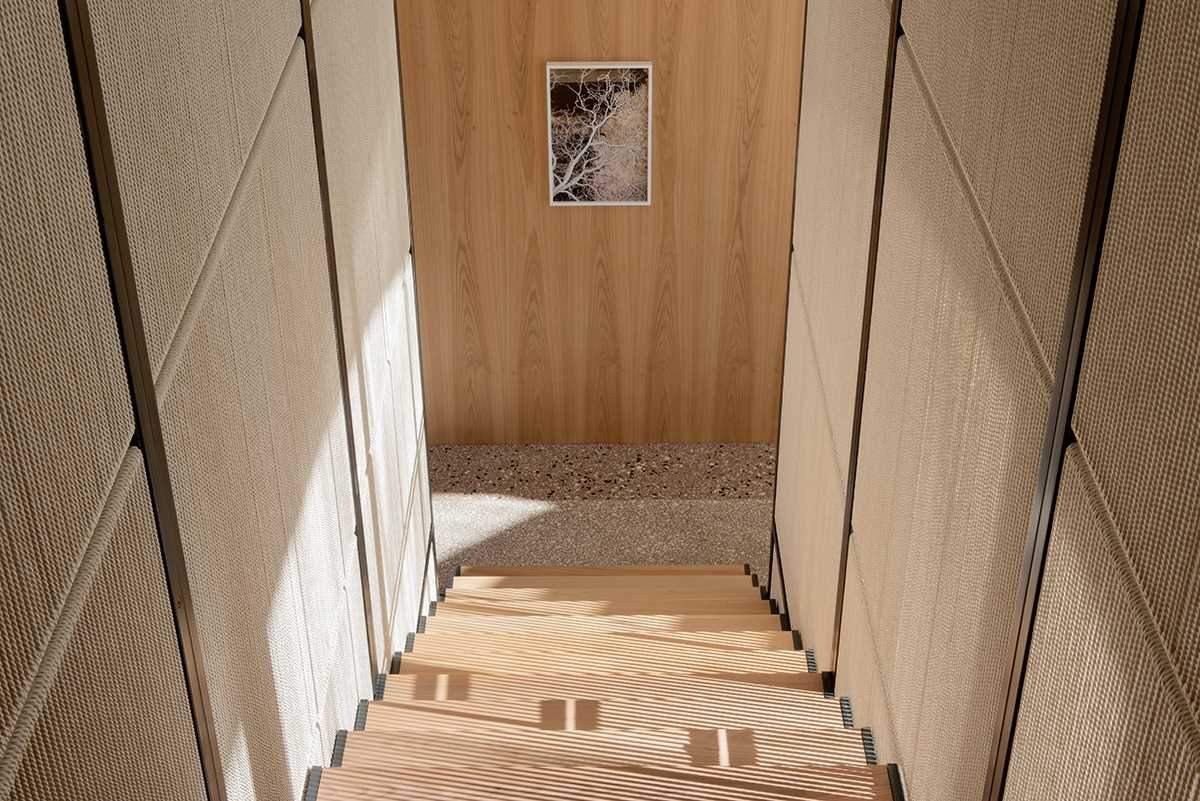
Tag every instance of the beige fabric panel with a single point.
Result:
(359, 82)
(845, 53)
(1120, 599)
(809, 497)
(254, 428)
(952, 427)
(113, 719)
(185, 88)
(861, 675)
(1139, 390)
(1019, 89)
(845, 58)
(1097, 718)
(64, 398)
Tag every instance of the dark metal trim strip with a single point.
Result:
(787, 302)
(429, 554)
(314, 92)
(783, 596)
(895, 782)
(97, 138)
(339, 749)
(774, 528)
(1110, 127)
(312, 784)
(847, 712)
(869, 752)
(360, 715)
(864, 343)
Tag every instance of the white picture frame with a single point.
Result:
(631, 76)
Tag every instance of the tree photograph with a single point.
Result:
(599, 133)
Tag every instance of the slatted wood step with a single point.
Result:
(787, 700)
(452, 778)
(638, 658)
(747, 593)
(601, 623)
(662, 605)
(621, 716)
(604, 683)
(600, 570)
(674, 748)
(697, 585)
(433, 643)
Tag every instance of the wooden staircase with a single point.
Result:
(633, 682)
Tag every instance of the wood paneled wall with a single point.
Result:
(602, 324)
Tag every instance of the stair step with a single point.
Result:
(673, 748)
(599, 570)
(736, 699)
(582, 714)
(605, 623)
(634, 657)
(603, 594)
(703, 584)
(449, 778)
(662, 605)
(659, 682)
(598, 643)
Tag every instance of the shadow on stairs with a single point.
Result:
(631, 682)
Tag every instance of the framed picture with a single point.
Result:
(598, 115)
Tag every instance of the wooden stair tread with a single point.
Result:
(628, 718)
(509, 642)
(736, 698)
(630, 658)
(450, 778)
(603, 684)
(604, 593)
(639, 583)
(600, 570)
(601, 623)
(676, 747)
(662, 605)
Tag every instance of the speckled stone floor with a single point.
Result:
(601, 504)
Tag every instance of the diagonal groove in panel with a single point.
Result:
(39, 684)
(1004, 278)
(211, 268)
(1168, 668)
(823, 391)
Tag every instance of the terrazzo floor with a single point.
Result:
(601, 504)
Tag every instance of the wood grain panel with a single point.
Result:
(612, 324)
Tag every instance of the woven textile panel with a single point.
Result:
(952, 426)
(359, 84)
(1098, 717)
(63, 391)
(1125, 549)
(860, 676)
(810, 499)
(256, 443)
(113, 719)
(844, 64)
(1139, 390)
(1019, 87)
(186, 86)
